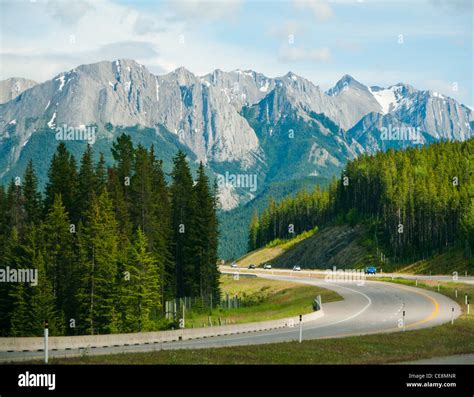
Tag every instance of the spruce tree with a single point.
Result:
(32, 197)
(141, 287)
(86, 183)
(43, 303)
(183, 206)
(62, 180)
(60, 258)
(98, 244)
(206, 233)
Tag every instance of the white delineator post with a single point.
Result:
(301, 328)
(46, 342)
(452, 315)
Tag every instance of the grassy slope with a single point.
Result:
(350, 247)
(371, 349)
(270, 300)
(444, 263)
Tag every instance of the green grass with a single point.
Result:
(273, 249)
(445, 263)
(443, 340)
(290, 243)
(264, 300)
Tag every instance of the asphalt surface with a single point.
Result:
(373, 307)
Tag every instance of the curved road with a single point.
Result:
(373, 307)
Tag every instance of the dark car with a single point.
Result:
(251, 266)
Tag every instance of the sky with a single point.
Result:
(425, 43)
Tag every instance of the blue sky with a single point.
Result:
(426, 43)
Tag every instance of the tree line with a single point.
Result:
(420, 201)
(110, 244)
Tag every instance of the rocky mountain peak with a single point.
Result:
(346, 82)
(14, 86)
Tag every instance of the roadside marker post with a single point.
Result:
(416, 282)
(467, 307)
(452, 315)
(404, 320)
(301, 328)
(456, 292)
(465, 298)
(46, 342)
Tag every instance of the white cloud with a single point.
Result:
(287, 28)
(458, 6)
(295, 54)
(206, 9)
(68, 12)
(320, 8)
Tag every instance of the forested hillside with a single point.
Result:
(110, 245)
(416, 202)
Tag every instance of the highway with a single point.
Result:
(374, 307)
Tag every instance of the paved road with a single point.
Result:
(373, 307)
(461, 277)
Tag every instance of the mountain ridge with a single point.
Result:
(239, 121)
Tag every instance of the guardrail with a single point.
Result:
(19, 344)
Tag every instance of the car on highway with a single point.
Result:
(296, 268)
(234, 265)
(267, 266)
(252, 266)
(370, 270)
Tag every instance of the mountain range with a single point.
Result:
(238, 123)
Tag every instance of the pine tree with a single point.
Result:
(98, 244)
(60, 258)
(183, 206)
(162, 234)
(21, 324)
(253, 232)
(16, 216)
(43, 304)
(86, 183)
(62, 180)
(32, 197)
(206, 234)
(141, 287)
(100, 176)
(11, 258)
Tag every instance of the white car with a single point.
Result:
(296, 268)
(234, 265)
(267, 266)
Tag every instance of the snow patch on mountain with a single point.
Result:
(385, 97)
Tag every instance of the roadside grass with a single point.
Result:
(442, 340)
(262, 300)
